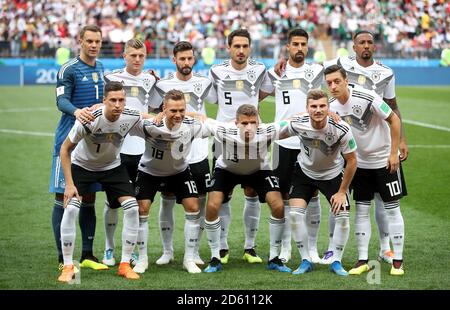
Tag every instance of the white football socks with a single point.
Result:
(251, 215)
(142, 238)
(313, 214)
(276, 227)
(287, 236)
(68, 230)
(225, 220)
(202, 204)
(382, 223)
(111, 218)
(363, 229)
(191, 230)
(341, 233)
(299, 231)
(166, 222)
(213, 232)
(396, 228)
(130, 228)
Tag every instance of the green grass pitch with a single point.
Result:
(27, 251)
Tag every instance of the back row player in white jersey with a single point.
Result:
(238, 81)
(290, 92)
(95, 158)
(139, 88)
(363, 71)
(196, 89)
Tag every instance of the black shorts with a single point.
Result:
(182, 185)
(131, 163)
(366, 182)
(115, 182)
(404, 190)
(304, 187)
(283, 163)
(216, 149)
(202, 176)
(262, 181)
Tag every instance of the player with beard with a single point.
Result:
(196, 89)
(238, 81)
(290, 91)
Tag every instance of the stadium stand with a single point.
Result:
(404, 29)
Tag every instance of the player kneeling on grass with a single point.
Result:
(95, 158)
(244, 160)
(319, 167)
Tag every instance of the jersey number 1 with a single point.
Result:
(96, 91)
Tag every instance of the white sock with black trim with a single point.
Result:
(130, 228)
(299, 231)
(68, 230)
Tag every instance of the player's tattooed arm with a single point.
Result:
(403, 146)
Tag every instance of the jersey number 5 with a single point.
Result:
(227, 96)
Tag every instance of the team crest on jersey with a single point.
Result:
(376, 76)
(95, 77)
(124, 128)
(348, 120)
(361, 80)
(147, 84)
(329, 138)
(296, 84)
(309, 74)
(187, 97)
(239, 84)
(357, 110)
(316, 143)
(198, 88)
(134, 91)
(251, 75)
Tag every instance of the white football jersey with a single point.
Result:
(236, 87)
(376, 77)
(320, 157)
(196, 90)
(239, 157)
(290, 93)
(139, 91)
(166, 150)
(366, 113)
(100, 142)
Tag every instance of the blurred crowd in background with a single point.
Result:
(403, 29)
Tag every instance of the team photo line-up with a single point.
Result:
(132, 134)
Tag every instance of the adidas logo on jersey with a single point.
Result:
(84, 79)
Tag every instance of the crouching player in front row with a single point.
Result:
(325, 144)
(95, 158)
(244, 160)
